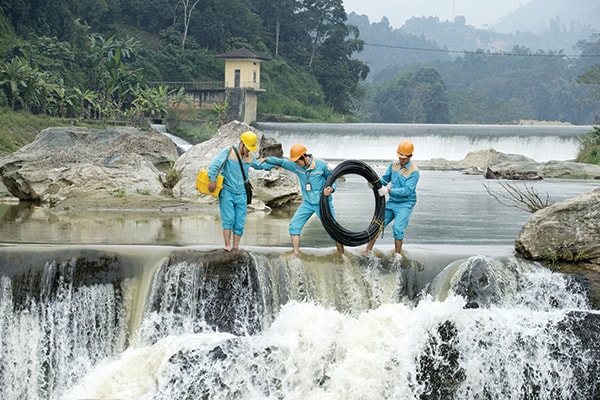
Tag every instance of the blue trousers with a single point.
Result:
(302, 215)
(400, 213)
(233, 208)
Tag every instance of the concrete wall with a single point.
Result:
(249, 73)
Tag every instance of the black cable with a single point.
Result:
(338, 232)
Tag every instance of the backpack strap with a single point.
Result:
(241, 166)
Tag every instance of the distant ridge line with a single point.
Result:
(550, 53)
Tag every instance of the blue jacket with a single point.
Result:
(403, 188)
(315, 173)
(232, 174)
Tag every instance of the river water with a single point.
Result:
(452, 209)
(129, 305)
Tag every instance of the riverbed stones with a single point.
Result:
(512, 166)
(70, 161)
(566, 231)
(566, 237)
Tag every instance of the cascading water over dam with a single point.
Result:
(156, 323)
(451, 142)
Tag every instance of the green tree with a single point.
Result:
(173, 64)
(57, 58)
(590, 147)
(150, 102)
(113, 81)
(591, 78)
(589, 75)
(14, 78)
(150, 15)
(321, 18)
(412, 97)
(85, 100)
(25, 87)
(280, 22)
(62, 101)
(428, 91)
(338, 74)
(222, 25)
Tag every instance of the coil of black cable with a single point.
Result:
(335, 230)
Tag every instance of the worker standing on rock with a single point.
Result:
(233, 163)
(312, 174)
(400, 182)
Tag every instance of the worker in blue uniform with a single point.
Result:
(232, 198)
(399, 182)
(312, 174)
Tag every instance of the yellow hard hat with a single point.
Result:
(250, 140)
(297, 151)
(405, 148)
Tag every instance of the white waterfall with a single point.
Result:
(330, 330)
(182, 145)
(451, 142)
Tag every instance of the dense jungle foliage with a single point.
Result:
(89, 59)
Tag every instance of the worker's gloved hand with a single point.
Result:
(382, 191)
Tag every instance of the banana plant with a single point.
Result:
(86, 100)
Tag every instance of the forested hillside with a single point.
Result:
(95, 60)
(433, 71)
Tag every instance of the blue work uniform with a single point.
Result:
(312, 179)
(402, 195)
(232, 198)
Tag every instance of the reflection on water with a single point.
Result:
(25, 223)
(451, 209)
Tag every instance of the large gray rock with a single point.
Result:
(550, 169)
(69, 161)
(569, 170)
(273, 188)
(513, 166)
(490, 157)
(566, 231)
(73, 162)
(475, 162)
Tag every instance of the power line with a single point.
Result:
(506, 54)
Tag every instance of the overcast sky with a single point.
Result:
(478, 13)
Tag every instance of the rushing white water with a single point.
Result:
(49, 345)
(311, 351)
(182, 145)
(451, 142)
(368, 328)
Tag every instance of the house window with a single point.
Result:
(236, 79)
